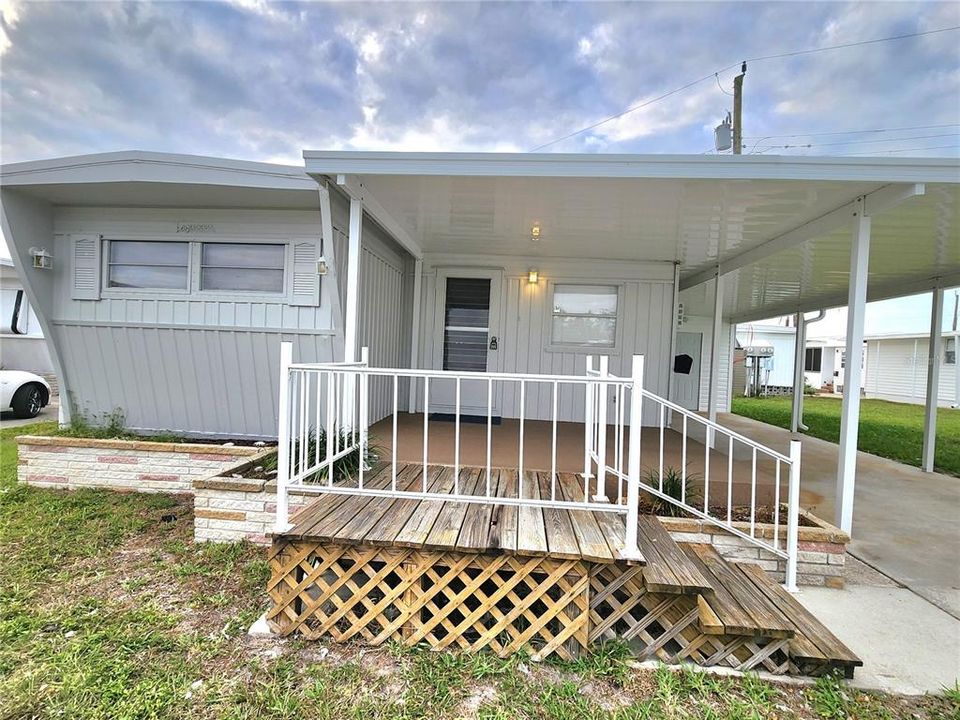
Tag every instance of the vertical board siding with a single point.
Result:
(205, 382)
(525, 339)
(381, 305)
(896, 369)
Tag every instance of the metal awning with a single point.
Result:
(778, 227)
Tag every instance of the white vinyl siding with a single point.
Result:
(896, 369)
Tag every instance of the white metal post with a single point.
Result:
(630, 549)
(282, 523)
(799, 361)
(351, 313)
(364, 401)
(793, 515)
(674, 327)
(600, 493)
(853, 371)
(415, 330)
(714, 387)
(933, 382)
(587, 426)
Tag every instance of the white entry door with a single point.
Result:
(686, 387)
(468, 334)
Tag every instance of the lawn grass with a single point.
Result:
(888, 429)
(109, 611)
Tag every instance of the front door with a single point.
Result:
(686, 387)
(469, 339)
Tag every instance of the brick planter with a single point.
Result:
(228, 509)
(132, 465)
(821, 555)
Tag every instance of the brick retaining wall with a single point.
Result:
(821, 550)
(229, 509)
(136, 465)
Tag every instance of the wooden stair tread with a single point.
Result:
(736, 606)
(668, 569)
(812, 640)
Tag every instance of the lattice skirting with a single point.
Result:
(500, 602)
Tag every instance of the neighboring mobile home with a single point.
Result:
(896, 368)
(22, 345)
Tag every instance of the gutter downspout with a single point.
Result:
(796, 421)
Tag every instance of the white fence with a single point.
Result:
(324, 443)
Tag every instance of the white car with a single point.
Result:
(22, 392)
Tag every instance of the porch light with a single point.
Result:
(42, 260)
(535, 232)
(322, 266)
(533, 276)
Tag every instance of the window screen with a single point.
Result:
(585, 315)
(244, 267)
(148, 265)
(950, 351)
(814, 359)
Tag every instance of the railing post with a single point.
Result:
(601, 490)
(630, 549)
(587, 425)
(282, 523)
(363, 411)
(793, 515)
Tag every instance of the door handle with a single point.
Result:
(493, 342)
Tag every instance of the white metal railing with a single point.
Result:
(324, 445)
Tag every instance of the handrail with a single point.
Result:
(715, 426)
(328, 403)
(453, 375)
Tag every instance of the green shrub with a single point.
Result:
(344, 467)
(673, 486)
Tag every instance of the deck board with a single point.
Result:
(561, 540)
(475, 531)
(418, 527)
(590, 537)
(668, 568)
(446, 528)
(531, 530)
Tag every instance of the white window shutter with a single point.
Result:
(306, 281)
(85, 269)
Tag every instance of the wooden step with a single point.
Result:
(668, 569)
(737, 606)
(814, 649)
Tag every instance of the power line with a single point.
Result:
(851, 132)
(853, 44)
(934, 147)
(716, 73)
(855, 142)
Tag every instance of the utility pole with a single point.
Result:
(738, 110)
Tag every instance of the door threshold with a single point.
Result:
(472, 419)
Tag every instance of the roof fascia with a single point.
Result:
(680, 167)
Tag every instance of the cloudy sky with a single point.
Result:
(262, 81)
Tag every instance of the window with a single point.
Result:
(814, 359)
(244, 267)
(950, 351)
(147, 265)
(585, 315)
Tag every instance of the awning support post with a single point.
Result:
(799, 379)
(415, 331)
(853, 369)
(713, 389)
(351, 316)
(933, 382)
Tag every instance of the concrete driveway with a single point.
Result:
(905, 522)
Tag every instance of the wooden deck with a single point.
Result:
(468, 527)
(468, 575)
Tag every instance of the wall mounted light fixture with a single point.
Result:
(42, 260)
(535, 232)
(533, 276)
(322, 266)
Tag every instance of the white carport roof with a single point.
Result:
(779, 227)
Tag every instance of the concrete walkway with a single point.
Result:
(905, 522)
